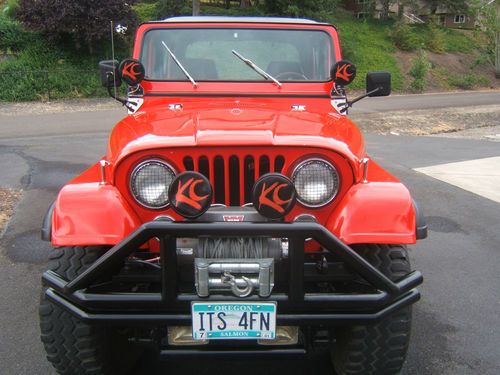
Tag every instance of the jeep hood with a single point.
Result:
(235, 125)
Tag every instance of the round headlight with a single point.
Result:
(150, 182)
(316, 182)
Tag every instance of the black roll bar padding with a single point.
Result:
(294, 231)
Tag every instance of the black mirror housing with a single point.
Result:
(378, 83)
(108, 70)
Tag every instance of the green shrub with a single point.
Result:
(145, 11)
(12, 36)
(419, 71)
(467, 81)
(10, 8)
(435, 38)
(405, 38)
(42, 73)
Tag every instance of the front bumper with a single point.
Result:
(172, 307)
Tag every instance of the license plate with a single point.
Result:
(234, 320)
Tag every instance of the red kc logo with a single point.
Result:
(270, 197)
(342, 72)
(130, 71)
(191, 199)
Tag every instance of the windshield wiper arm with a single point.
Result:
(261, 71)
(180, 65)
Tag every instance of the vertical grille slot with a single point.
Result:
(219, 183)
(232, 178)
(279, 163)
(249, 177)
(263, 165)
(234, 181)
(188, 163)
(203, 167)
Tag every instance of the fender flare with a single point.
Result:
(89, 214)
(46, 231)
(421, 222)
(377, 212)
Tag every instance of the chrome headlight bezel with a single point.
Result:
(335, 175)
(133, 176)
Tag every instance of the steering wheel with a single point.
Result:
(291, 76)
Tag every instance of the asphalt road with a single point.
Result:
(456, 325)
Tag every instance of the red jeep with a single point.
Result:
(235, 211)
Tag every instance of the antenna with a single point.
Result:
(113, 55)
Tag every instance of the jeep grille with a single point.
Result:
(233, 177)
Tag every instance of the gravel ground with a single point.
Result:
(76, 105)
(8, 200)
(445, 121)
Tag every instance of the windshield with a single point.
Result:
(206, 54)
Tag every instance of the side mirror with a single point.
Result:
(108, 70)
(132, 71)
(378, 84)
(343, 72)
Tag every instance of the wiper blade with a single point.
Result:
(180, 65)
(261, 71)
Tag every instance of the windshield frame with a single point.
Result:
(334, 47)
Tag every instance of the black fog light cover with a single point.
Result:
(274, 195)
(190, 194)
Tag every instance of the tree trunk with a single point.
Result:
(196, 7)
(245, 3)
(385, 9)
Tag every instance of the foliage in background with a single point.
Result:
(419, 71)
(83, 22)
(430, 37)
(368, 46)
(10, 8)
(296, 8)
(467, 81)
(35, 70)
(12, 36)
(169, 8)
(145, 11)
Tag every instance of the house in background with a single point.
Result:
(418, 12)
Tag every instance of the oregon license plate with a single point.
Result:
(234, 320)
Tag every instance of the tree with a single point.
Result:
(86, 22)
(288, 7)
(169, 8)
(245, 3)
(386, 5)
(196, 7)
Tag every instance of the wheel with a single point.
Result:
(72, 346)
(380, 348)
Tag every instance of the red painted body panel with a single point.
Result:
(380, 211)
(220, 119)
(88, 213)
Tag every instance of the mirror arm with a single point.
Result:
(364, 96)
(112, 94)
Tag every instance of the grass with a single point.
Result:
(368, 45)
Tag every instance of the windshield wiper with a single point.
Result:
(180, 65)
(261, 71)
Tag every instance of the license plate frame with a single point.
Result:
(236, 322)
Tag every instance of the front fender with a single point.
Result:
(89, 213)
(375, 212)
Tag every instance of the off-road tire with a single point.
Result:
(74, 347)
(378, 349)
